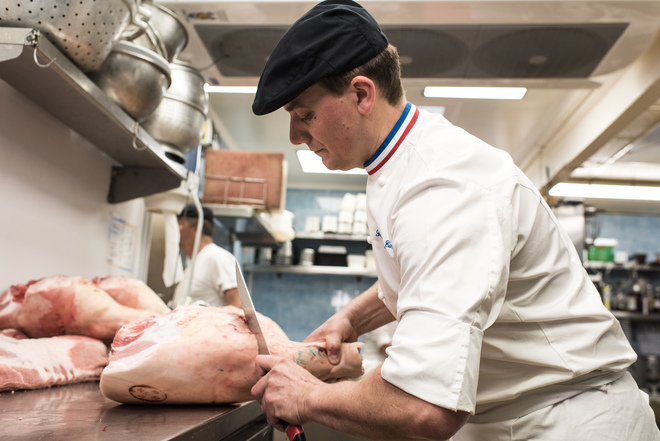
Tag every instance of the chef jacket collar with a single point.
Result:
(394, 139)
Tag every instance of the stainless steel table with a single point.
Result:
(80, 412)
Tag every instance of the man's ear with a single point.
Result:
(365, 91)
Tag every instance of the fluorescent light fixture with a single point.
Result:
(312, 163)
(433, 109)
(597, 191)
(230, 89)
(488, 93)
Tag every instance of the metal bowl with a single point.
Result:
(134, 77)
(165, 32)
(176, 123)
(188, 86)
(84, 30)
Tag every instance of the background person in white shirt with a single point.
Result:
(501, 335)
(214, 275)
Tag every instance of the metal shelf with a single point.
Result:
(331, 236)
(60, 88)
(628, 266)
(244, 222)
(637, 316)
(314, 269)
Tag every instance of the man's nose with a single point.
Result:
(298, 134)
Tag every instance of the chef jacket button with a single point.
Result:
(368, 239)
(381, 181)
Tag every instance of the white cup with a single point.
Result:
(312, 224)
(307, 257)
(329, 224)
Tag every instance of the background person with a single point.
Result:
(214, 275)
(501, 335)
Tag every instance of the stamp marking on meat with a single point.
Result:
(147, 393)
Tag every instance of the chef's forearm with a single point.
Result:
(372, 408)
(367, 312)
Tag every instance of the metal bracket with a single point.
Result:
(128, 183)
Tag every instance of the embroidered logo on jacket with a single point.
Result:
(388, 244)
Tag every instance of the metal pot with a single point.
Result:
(176, 123)
(134, 77)
(84, 30)
(179, 119)
(188, 86)
(165, 32)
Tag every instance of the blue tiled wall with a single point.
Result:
(636, 234)
(305, 203)
(300, 303)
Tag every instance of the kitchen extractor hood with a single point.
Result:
(489, 42)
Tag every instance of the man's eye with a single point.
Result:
(306, 118)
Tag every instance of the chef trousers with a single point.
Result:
(617, 411)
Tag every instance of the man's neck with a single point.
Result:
(205, 240)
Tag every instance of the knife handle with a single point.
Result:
(295, 433)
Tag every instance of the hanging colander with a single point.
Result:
(84, 30)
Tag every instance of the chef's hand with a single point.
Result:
(282, 390)
(335, 331)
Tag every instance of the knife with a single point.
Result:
(295, 433)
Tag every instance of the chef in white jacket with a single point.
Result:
(214, 272)
(500, 335)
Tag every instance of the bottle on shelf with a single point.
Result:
(620, 300)
(647, 300)
(633, 301)
(606, 293)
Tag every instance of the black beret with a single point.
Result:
(332, 38)
(190, 211)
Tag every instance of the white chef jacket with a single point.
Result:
(373, 341)
(214, 273)
(492, 299)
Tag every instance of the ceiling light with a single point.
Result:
(433, 109)
(230, 89)
(597, 191)
(312, 163)
(489, 93)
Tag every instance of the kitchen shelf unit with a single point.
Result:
(313, 269)
(245, 223)
(331, 236)
(628, 266)
(653, 317)
(35, 67)
(306, 238)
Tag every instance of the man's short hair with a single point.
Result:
(189, 213)
(384, 70)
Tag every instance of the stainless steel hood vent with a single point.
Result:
(541, 42)
(458, 51)
(504, 51)
(240, 51)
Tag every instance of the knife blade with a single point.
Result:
(294, 433)
(250, 313)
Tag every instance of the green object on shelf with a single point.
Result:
(601, 253)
